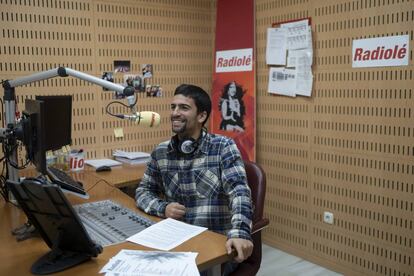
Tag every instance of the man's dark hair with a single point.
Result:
(200, 97)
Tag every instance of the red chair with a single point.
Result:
(256, 179)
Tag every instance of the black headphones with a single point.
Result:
(188, 145)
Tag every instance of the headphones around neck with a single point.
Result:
(189, 145)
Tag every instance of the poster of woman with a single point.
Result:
(232, 108)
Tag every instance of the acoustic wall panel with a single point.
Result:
(88, 36)
(347, 150)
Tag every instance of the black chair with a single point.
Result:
(256, 179)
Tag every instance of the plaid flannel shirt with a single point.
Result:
(211, 183)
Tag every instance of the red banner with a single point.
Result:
(233, 93)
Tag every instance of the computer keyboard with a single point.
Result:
(65, 181)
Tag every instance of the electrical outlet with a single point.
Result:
(328, 217)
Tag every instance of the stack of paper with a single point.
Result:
(131, 157)
(102, 162)
(146, 263)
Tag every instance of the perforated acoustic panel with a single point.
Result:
(348, 150)
(175, 36)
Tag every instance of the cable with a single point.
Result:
(101, 180)
(115, 102)
(8, 153)
(2, 112)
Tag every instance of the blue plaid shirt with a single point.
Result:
(211, 183)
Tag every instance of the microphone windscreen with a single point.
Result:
(148, 118)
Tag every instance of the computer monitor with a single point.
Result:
(58, 121)
(49, 211)
(34, 133)
(47, 125)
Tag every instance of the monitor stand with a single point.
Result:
(47, 208)
(57, 259)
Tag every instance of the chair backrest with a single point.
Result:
(256, 179)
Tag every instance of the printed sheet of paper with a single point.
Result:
(276, 46)
(150, 263)
(166, 234)
(304, 77)
(297, 34)
(282, 81)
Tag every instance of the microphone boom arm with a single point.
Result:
(64, 72)
(9, 100)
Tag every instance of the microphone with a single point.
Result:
(145, 118)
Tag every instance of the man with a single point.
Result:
(198, 177)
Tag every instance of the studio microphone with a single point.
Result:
(145, 118)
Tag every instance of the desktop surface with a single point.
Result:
(17, 257)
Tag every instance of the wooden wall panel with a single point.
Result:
(175, 36)
(348, 149)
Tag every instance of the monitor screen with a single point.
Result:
(58, 121)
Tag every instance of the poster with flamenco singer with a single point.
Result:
(233, 90)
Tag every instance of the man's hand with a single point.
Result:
(175, 210)
(244, 248)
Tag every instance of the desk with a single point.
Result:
(16, 258)
(120, 176)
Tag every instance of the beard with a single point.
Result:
(180, 128)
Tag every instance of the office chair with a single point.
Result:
(256, 179)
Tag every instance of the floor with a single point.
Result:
(275, 260)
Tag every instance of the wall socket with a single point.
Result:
(328, 217)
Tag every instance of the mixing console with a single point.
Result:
(109, 223)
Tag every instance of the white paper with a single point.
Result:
(102, 162)
(166, 234)
(276, 46)
(304, 77)
(282, 81)
(297, 34)
(146, 263)
(304, 81)
(299, 58)
(131, 155)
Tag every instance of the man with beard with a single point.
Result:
(198, 177)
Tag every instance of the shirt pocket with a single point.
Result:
(172, 185)
(207, 183)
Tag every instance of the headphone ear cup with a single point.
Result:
(187, 146)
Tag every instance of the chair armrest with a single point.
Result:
(259, 225)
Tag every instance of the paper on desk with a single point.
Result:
(131, 155)
(102, 162)
(166, 234)
(146, 263)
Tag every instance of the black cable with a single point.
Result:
(2, 112)
(8, 153)
(101, 180)
(112, 103)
